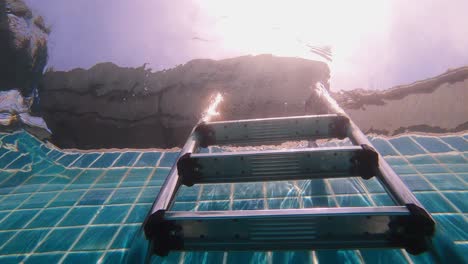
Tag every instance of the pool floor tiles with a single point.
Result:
(74, 207)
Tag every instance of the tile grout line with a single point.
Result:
(142, 189)
(17, 208)
(427, 181)
(37, 213)
(53, 228)
(438, 161)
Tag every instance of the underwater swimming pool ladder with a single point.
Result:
(407, 225)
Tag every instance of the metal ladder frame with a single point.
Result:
(407, 225)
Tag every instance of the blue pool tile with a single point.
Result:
(38, 200)
(458, 168)
(124, 196)
(452, 225)
(68, 159)
(5, 236)
(85, 179)
(168, 159)
(248, 205)
(115, 257)
(446, 182)
(20, 162)
(464, 176)
(383, 256)
(416, 183)
(23, 242)
(431, 168)
(292, 257)
(54, 154)
(96, 237)
(246, 257)
(204, 257)
(13, 182)
(148, 159)
(311, 202)
(373, 185)
(248, 190)
(457, 143)
(95, 197)
(422, 159)
(13, 200)
(38, 180)
(214, 206)
(3, 215)
(44, 258)
(404, 169)
(149, 194)
(85, 160)
(8, 158)
(406, 146)
(82, 257)
(17, 219)
(461, 248)
(216, 192)
(337, 256)
(138, 213)
(59, 183)
(111, 178)
(353, 201)
(188, 194)
(127, 159)
(106, 160)
(136, 177)
(396, 161)
(434, 202)
(11, 259)
(125, 236)
(52, 171)
(382, 200)
(67, 198)
(112, 214)
(184, 206)
(60, 240)
(451, 158)
(280, 189)
(79, 216)
(346, 186)
(48, 218)
(383, 147)
(459, 199)
(286, 203)
(159, 177)
(313, 187)
(432, 144)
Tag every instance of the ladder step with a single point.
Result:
(276, 165)
(272, 130)
(317, 228)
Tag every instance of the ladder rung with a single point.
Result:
(317, 228)
(276, 165)
(272, 130)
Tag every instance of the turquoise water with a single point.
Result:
(75, 207)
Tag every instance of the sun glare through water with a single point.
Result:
(289, 28)
(211, 111)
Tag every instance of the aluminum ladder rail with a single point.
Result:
(407, 225)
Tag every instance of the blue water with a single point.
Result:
(75, 207)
